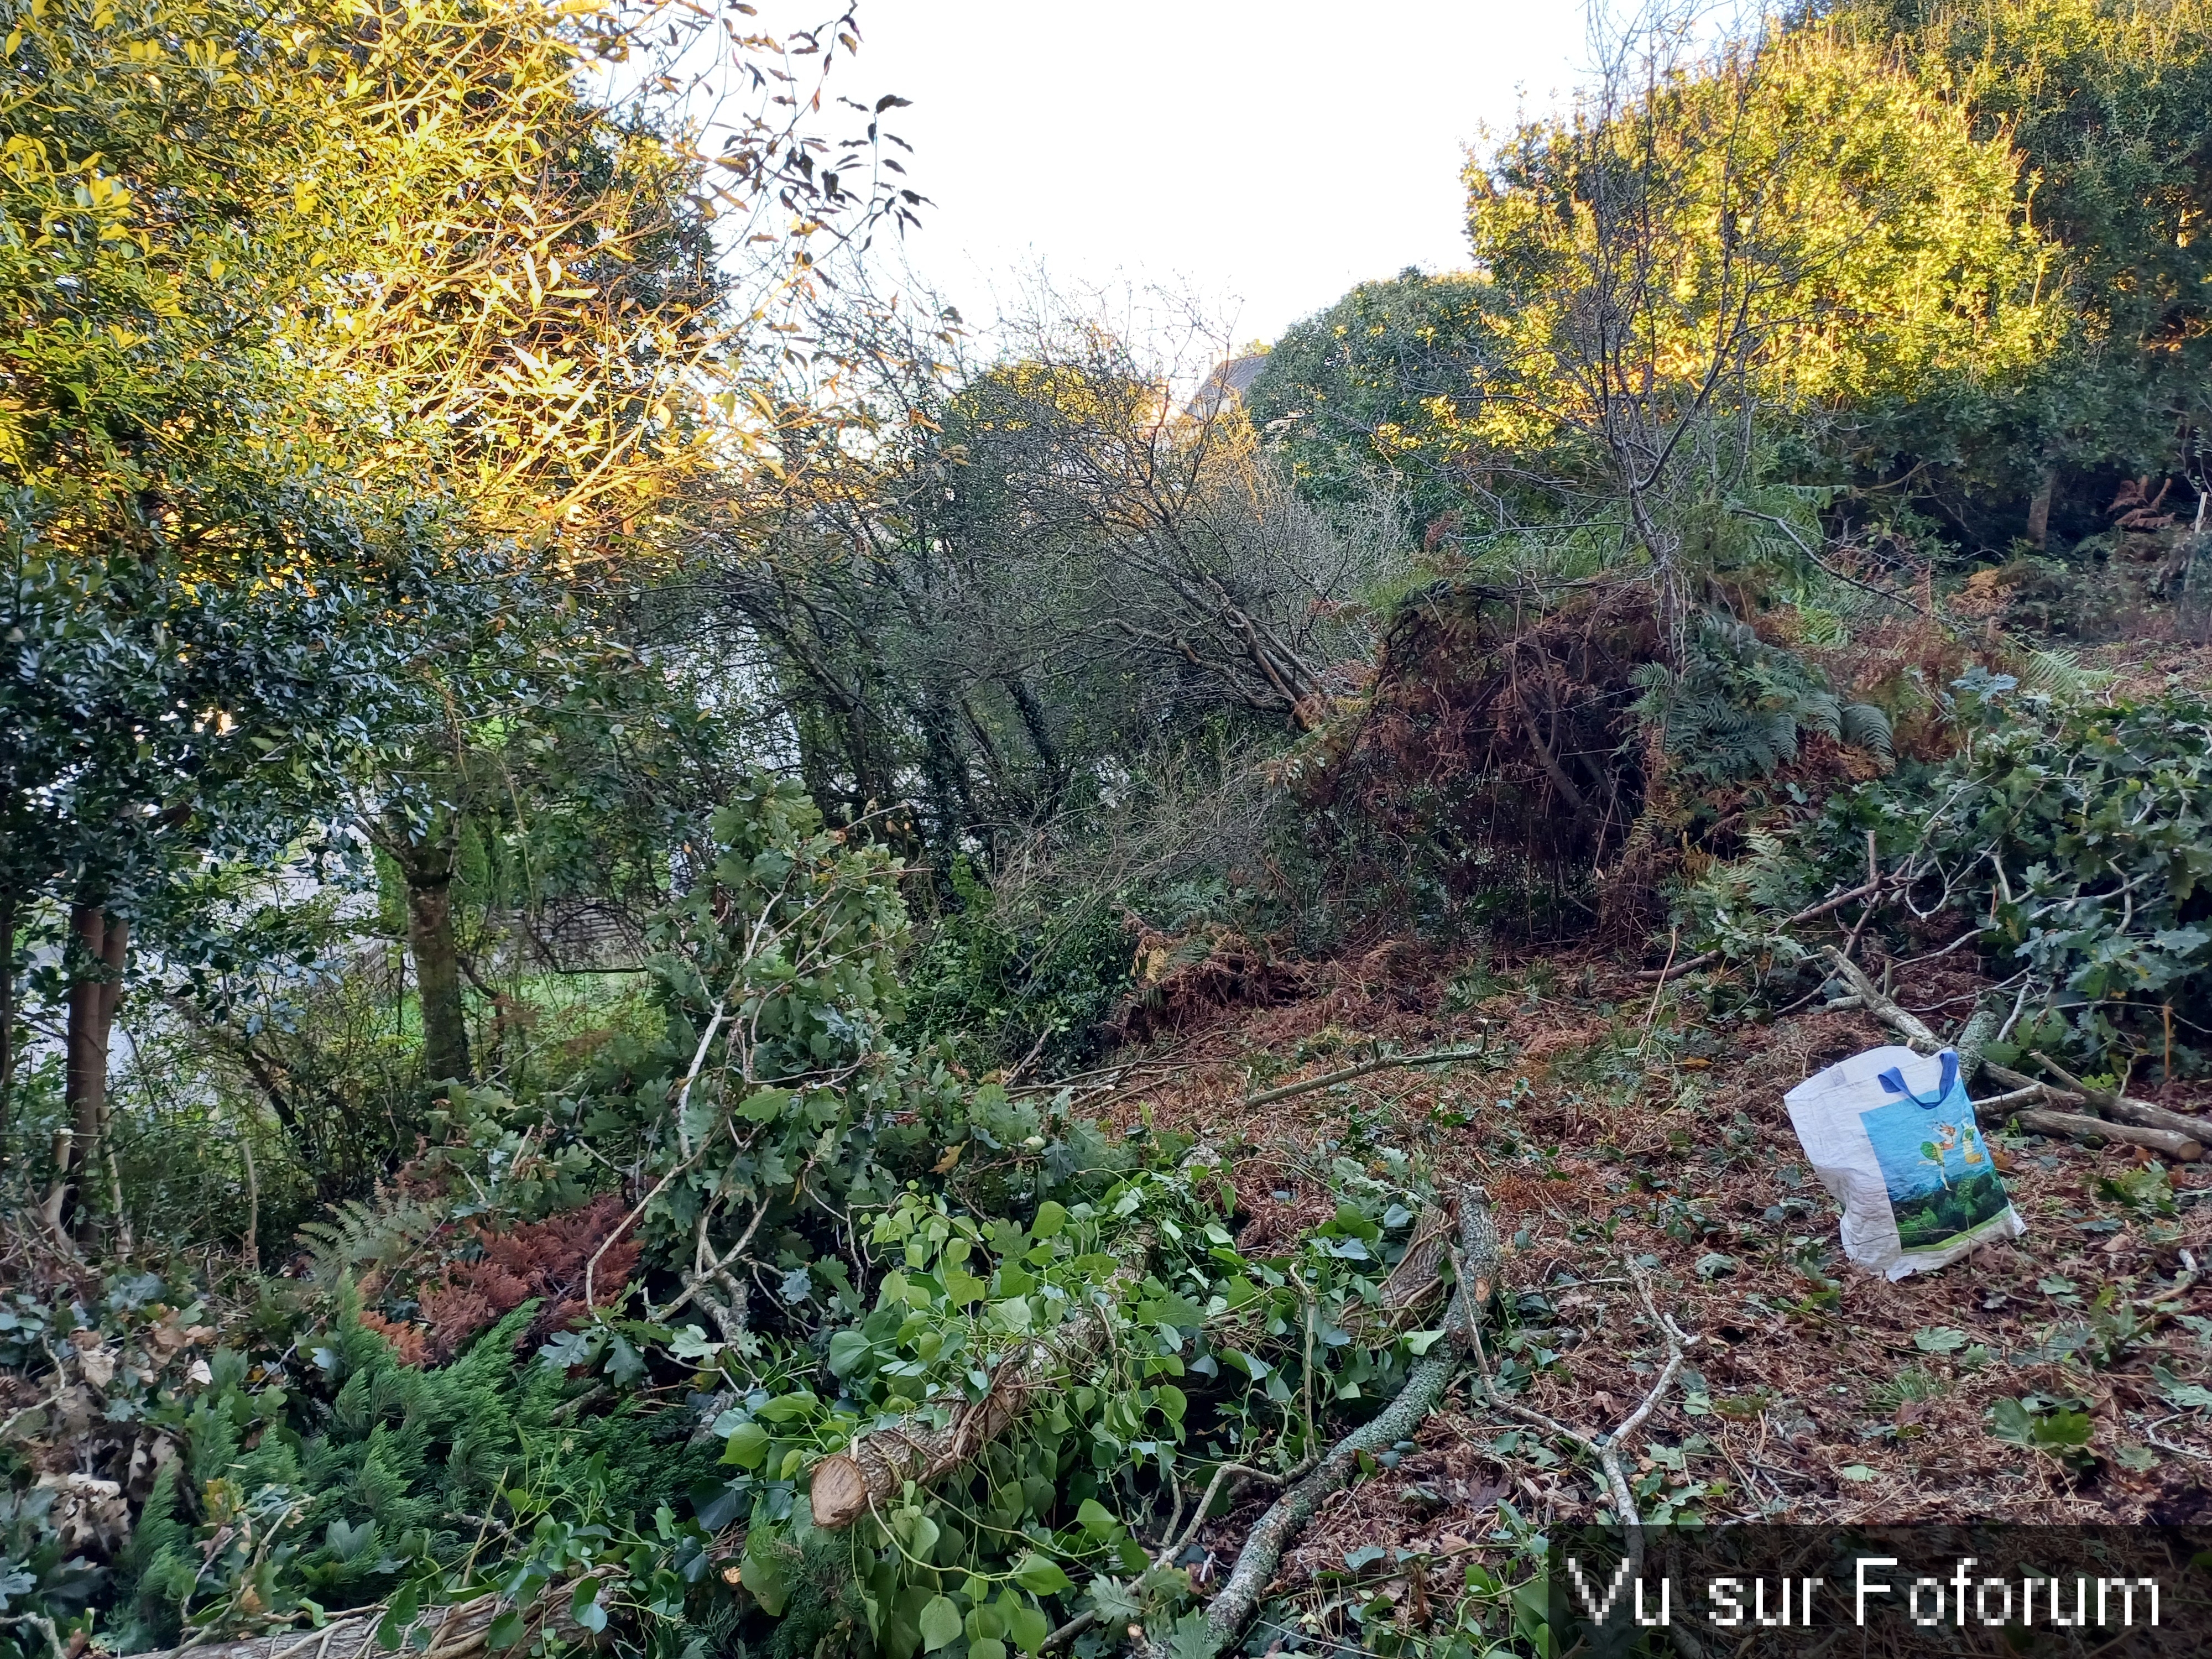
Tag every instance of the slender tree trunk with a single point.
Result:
(2039, 507)
(6, 1015)
(94, 997)
(428, 868)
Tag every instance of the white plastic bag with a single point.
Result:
(1892, 1135)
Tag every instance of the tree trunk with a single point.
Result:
(7, 1014)
(2039, 507)
(94, 996)
(428, 870)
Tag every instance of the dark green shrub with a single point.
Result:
(2071, 834)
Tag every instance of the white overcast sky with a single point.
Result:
(1269, 155)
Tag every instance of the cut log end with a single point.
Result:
(839, 1495)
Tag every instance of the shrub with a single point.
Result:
(2068, 834)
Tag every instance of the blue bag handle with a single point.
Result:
(1892, 1082)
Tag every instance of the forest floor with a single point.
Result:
(1603, 1128)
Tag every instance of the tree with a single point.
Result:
(1367, 388)
(318, 311)
(1035, 574)
(2106, 105)
(1784, 229)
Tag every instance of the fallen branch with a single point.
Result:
(2073, 1124)
(1868, 890)
(454, 1631)
(875, 1467)
(1906, 1024)
(1606, 1448)
(2125, 1108)
(1479, 1256)
(1432, 1057)
(2178, 1137)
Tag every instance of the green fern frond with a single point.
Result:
(379, 1234)
(2060, 674)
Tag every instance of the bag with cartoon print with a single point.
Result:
(1892, 1134)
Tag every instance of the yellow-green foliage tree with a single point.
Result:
(2109, 103)
(1790, 226)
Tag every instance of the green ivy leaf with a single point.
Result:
(1040, 1577)
(763, 1574)
(1029, 1627)
(399, 1613)
(748, 1447)
(584, 1607)
(940, 1623)
(846, 1350)
(922, 1535)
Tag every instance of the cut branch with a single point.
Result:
(1871, 890)
(1479, 1256)
(874, 1469)
(1328, 1079)
(2178, 1137)
(454, 1632)
(2174, 1146)
(2127, 1110)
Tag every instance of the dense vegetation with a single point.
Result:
(586, 793)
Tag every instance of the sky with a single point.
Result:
(1267, 156)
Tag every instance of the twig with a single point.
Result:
(1605, 1446)
(1871, 889)
(1673, 939)
(1906, 1024)
(1213, 1486)
(1433, 1057)
(1027, 1060)
(1068, 1632)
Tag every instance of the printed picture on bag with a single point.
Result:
(1942, 1182)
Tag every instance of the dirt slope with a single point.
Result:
(1815, 1392)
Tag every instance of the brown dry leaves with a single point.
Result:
(1812, 1399)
